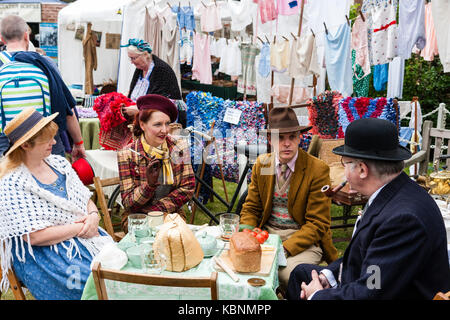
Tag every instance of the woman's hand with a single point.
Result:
(152, 172)
(90, 226)
(130, 110)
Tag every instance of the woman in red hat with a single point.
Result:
(49, 229)
(155, 170)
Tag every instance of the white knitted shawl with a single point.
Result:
(25, 207)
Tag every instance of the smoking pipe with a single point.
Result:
(331, 192)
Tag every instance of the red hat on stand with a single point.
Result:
(84, 171)
(160, 103)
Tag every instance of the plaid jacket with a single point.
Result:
(137, 194)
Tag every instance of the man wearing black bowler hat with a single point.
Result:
(398, 248)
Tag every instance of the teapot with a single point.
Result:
(208, 244)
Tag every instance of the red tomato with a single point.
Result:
(265, 234)
(253, 234)
(247, 230)
(261, 239)
(257, 230)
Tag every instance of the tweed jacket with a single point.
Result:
(137, 194)
(308, 206)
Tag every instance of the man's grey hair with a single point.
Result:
(384, 168)
(13, 28)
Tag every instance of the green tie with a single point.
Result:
(282, 178)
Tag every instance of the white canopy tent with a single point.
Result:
(105, 17)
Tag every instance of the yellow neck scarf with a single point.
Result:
(162, 154)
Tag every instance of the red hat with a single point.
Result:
(160, 103)
(84, 171)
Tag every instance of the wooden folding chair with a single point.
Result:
(99, 274)
(15, 285)
(105, 211)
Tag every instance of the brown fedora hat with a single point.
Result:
(284, 119)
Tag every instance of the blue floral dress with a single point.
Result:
(53, 274)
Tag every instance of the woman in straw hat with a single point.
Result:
(156, 174)
(48, 225)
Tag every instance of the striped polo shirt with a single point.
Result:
(29, 93)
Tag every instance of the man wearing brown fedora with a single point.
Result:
(285, 198)
(398, 248)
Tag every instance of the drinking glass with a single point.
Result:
(153, 260)
(138, 225)
(228, 224)
(155, 218)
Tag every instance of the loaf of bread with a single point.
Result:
(245, 252)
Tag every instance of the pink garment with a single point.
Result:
(281, 94)
(201, 67)
(288, 7)
(267, 10)
(360, 44)
(431, 48)
(210, 19)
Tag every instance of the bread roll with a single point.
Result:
(245, 252)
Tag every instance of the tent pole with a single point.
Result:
(298, 35)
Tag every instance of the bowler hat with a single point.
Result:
(160, 103)
(372, 138)
(84, 171)
(284, 119)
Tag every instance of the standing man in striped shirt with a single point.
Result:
(44, 85)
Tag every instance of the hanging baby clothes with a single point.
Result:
(219, 46)
(210, 20)
(359, 43)
(338, 60)
(361, 81)
(299, 95)
(247, 80)
(201, 67)
(264, 61)
(240, 14)
(395, 78)
(185, 17)
(262, 83)
(170, 49)
(384, 33)
(288, 7)
(380, 76)
(441, 12)
(411, 27)
(279, 56)
(186, 47)
(303, 58)
(152, 32)
(431, 48)
(267, 10)
(231, 61)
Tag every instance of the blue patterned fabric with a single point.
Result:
(53, 276)
(58, 187)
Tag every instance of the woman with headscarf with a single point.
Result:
(152, 75)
